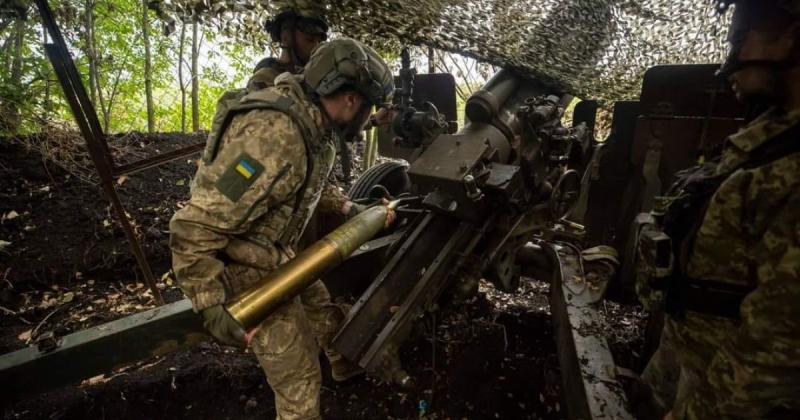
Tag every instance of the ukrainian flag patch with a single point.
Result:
(239, 176)
(245, 169)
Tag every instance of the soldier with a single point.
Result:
(730, 347)
(262, 174)
(298, 27)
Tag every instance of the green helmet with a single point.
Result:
(307, 16)
(347, 63)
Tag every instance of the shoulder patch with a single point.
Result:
(239, 176)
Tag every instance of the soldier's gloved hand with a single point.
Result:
(222, 326)
(354, 209)
(391, 216)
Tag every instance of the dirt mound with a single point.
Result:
(58, 225)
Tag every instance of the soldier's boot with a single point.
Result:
(341, 368)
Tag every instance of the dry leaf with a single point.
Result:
(25, 335)
(10, 215)
(94, 380)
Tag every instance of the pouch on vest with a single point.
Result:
(689, 198)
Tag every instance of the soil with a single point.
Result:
(67, 267)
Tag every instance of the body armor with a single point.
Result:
(666, 237)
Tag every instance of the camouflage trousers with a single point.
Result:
(677, 368)
(668, 381)
(287, 347)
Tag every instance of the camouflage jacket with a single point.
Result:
(264, 76)
(750, 235)
(242, 199)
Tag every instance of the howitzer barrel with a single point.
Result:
(485, 104)
(254, 305)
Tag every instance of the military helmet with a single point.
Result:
(345, 62)
(752, 15)
(305, 15)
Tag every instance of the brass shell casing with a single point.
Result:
(252, 306)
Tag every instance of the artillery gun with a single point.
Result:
(506, 195)
(510, 176)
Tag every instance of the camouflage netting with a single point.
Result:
(591, 48)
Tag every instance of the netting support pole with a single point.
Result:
(86, 117)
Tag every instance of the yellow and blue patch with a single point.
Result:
(237, 178)
(245, 169)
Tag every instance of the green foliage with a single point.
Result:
(34, 96)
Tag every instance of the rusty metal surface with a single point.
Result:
(605, 204)
(689, 111)
(685, 112)
(588, 372)
(372, 310)
(425, 291)
(102, 348)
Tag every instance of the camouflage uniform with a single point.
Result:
(240, 223)
(708, 367)
(263, 77)
(265, 73)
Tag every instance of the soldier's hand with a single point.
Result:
(351, 209)
(223, 327)
(250, 334)
(390, 215)
(382, 117)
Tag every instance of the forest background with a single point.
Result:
(145, 72)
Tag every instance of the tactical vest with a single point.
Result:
(282, 225)
(692, 192)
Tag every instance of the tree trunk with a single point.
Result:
(181, 82)
(5, 55)
(195, 81)
(90, 52)
(14, 118)
(47, 103)
(148, 81)
(101, 101)
(94, 73)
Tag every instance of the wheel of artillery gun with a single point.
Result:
(391, 175)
